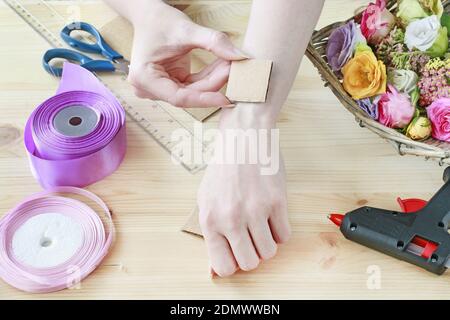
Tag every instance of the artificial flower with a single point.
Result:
(439, 115)
(409, 11)
(376, 22)
(395, 109)
(419, 128)
(412, 10)
(433, 7)
(341, 44)
(361, 47)
(364, 75)
(369, 106)
(440, 45)
(394, 53)
(433, 83)
(417, 60)
(427, 34)
(404, 81)
(414, 60)
(393, 43)
(414, 96)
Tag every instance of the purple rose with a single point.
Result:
(341, 44)
(369, 106)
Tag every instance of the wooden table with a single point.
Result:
(332, 165)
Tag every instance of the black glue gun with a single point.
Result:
(417, 234)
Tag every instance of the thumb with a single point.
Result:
(217, 42)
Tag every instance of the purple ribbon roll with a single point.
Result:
(78, 136)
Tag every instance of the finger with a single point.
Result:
(190, 98)
(213, 81)
(220, 254)
(179, 69)
(279, 224)
(243, 249)
(193, 77)
(155, 83)
(263, 240)
(216, 42)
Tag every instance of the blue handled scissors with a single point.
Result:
(115, 61)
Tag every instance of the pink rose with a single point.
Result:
(395, 109)
(439, 114)
(377, 22)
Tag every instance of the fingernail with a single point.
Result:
(232, 105)
(241, 53)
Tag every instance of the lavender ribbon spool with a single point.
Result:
(78, 136)
(18, 265)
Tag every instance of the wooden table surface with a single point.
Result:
(332, 165)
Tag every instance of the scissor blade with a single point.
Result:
(122, 65)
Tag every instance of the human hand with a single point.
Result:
(242, 214)
(160, 62)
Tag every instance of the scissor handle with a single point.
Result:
(71, 55)
(100, 46)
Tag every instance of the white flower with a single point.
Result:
(421, 34)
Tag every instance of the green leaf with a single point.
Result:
(445, 20)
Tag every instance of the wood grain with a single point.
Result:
(332, 165)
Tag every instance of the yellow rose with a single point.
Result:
(364, 75)
(419, 128)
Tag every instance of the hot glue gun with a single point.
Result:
(417, 234)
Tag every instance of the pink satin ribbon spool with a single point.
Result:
(96, 241)
(92, 143)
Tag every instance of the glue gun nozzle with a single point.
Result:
(336, 218)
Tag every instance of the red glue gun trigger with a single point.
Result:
(422, 247)
(411, 205)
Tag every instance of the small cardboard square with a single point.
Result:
(118, 33)
(249, 80)
(192, 225)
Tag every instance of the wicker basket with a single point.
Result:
(316, 52)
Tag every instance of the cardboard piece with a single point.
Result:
(118, 33)
(249, 80)
(192, 225)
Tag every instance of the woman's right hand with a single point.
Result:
(160, 62)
